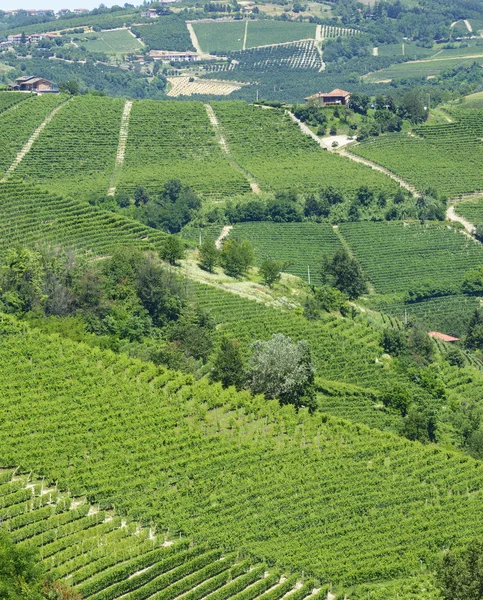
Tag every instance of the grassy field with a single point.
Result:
(473, 101)
(112, 42)
(220, 37)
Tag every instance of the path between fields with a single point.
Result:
(245, 36)
(377, 167)
(31, 140)
(225, 232)
(195, 42)
(452, 216)
(121, 148)
(224, 146)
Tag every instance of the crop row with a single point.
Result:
(77, 150)
(9, 99)
(173, 140)
(16, 126)
(314, 492)
(30, 216)
(295, 55)
(291, 160)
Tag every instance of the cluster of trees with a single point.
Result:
(278, 368)
(235, 256)
(389, 112)
(22, 576)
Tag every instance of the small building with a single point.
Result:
(16, 39)
(169, 56)
(63, 11)
(38, 85)
(80, 11)
(337, 96)
(443, 337)
(149, 14)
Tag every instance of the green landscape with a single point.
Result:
(241, 301)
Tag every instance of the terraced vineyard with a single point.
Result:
(30, 216)
(301, 244)
(448, 314)
(472, 210)
(401, 256)
(294, 55)
(266, 32)
(104, 556)
(168, 33)
(225, 469)
(455, 147)
(291, 160)
(340, 347)
(119, 41)
(176, 140)
(77, 149)
(7, 100)
(16, 126)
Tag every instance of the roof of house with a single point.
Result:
(337, 93)
(443, 337)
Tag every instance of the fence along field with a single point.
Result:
(186, 456)
(76, 152)
(175, 140)
(455, 148)
(290, 158)
(104, 556)
(19, 122)
(31, 215)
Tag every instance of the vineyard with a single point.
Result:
(16, 126)
(31, 216)
(471, 210)
(185, 456)
(7, 100)
(455, 147)
(168, 33)
(265, 32)
(294, 55)
(182, 86)
(290, 159)
(301, 244)
(77, 149)
(401, 256)
(216, 37)
(425, 68)
(104, 556)
(119, 41)
(174, 140)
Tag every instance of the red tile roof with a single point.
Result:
(443, 337)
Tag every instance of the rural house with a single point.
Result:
(334, 97)
(34, 84)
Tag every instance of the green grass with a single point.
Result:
(302, 244)
(220, 37)
(445, 156)
(263, 33)
(340, 500)
(112, 42)
(398, 257)
(473, 101)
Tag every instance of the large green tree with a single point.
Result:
(460, 574)
(344, 273)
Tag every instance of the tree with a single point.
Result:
(344, 273)
(209, 255)
(270, 271)
(228, 365)
(394, 341)
(236, 257)
(460, 574)
(20, 571)
(141, 196)
(172, 250)
(473, 281)
(397, 398)
(22, 279)
(69, 87)
(280, 368)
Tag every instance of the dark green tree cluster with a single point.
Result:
(344, 273)
(460, 573)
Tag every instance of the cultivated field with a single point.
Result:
(112, 42)
(182, 86)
